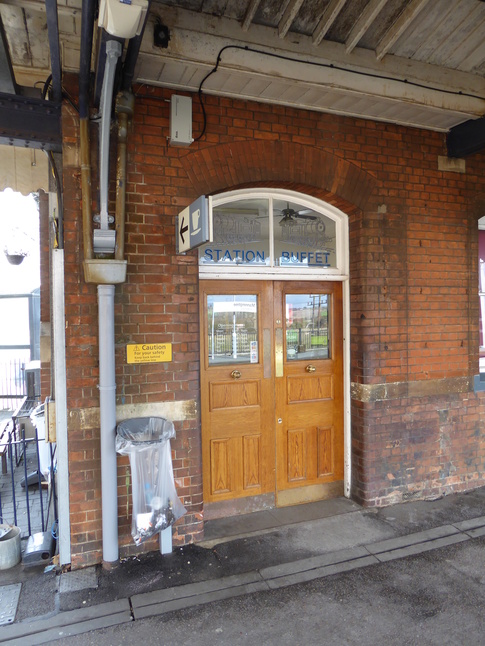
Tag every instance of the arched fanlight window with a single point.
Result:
(274, 232)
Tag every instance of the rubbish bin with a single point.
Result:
(37, 418)
(156, 506)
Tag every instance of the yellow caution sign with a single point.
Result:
(149, 353)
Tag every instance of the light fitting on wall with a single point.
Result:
(161, 35)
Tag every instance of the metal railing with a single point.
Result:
(27, 496)
(13, 387)
(303, 340)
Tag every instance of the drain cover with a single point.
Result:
(9, 600)
(78, 580)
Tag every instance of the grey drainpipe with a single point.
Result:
(107, 383)
(107, 406)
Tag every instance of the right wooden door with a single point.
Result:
(308, 391)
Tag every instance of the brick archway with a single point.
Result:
(272, 163)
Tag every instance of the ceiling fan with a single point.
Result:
(290, 216)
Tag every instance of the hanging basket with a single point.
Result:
(14, 258)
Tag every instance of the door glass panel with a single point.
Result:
(307, 327)
(232, 328)
(241, 235)
(303, 237)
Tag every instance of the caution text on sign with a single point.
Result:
(149, 352)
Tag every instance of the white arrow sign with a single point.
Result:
(193, 226)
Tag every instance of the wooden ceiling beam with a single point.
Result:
(326, 21)
(366, 19)
(290, 14)
(7, 76)
(248, 18)
(399, 27)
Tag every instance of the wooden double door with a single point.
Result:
(271, 390)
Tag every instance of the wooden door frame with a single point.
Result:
(345, 359)
(319, 275)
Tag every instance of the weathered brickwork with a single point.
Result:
(413, 286)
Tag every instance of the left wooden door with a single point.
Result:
(237, 389)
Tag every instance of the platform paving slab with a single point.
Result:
(321, 572)
(201, 599)
(412, 539)
(78, 580)
(9, 599)
(471, 523)
(420, 548)
(63, 624)
(341, 556)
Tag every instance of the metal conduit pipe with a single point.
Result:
(132, 54)
(124, 111)
(120, 186)
(113, 52)
(85, 147)
(87, 23)
(107, 403)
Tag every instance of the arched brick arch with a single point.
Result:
(281, 163)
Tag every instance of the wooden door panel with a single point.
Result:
(235, 394)
(297, 416)
(222, 466)
(297, 455)
(252, 462)
(305, 389)
(325, 452)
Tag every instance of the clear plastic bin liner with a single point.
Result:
(37, 417)
(156, 506)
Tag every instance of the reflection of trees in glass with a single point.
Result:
(307, 326)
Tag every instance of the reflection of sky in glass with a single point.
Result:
(241, 234)
(19, 216)
(14, 317)
(306, 300)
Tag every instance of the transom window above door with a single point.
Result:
(279, 232)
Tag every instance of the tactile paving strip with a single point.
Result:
(78, 580)
(9, 600)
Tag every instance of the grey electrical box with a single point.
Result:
(180, 120)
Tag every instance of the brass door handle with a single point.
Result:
(310, 368)
(235, 374)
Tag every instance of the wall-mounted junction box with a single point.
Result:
(180, 120)
(122, 18)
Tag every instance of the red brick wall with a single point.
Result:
(414, 316)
